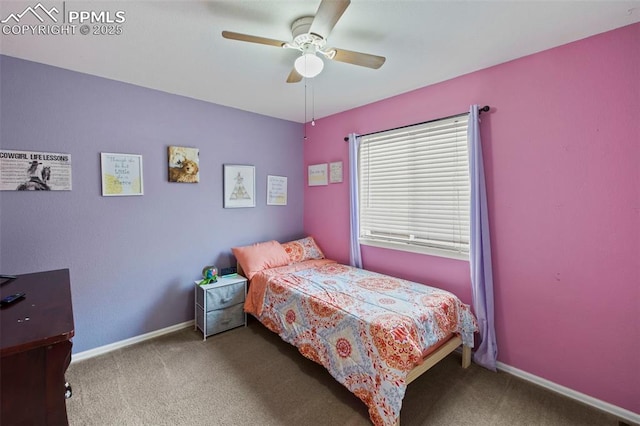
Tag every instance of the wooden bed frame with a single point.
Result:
(438, 355)
(431, 359)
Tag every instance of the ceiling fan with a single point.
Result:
(310, 38)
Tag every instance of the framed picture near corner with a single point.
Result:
(276, 190)
(317, 175)
(239, 186)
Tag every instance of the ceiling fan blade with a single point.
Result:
(294, 76)
(357, 58)
(252, 39)
(329, 12)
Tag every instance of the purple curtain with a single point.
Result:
(480, 249)
(355, 257)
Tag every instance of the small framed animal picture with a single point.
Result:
(184, 164)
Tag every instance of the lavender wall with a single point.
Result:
(561, 149)
(133, 260)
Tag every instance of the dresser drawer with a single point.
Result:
(221, 297)
(222, 319)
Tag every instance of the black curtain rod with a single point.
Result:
(485, 108)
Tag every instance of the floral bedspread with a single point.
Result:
(368, 330)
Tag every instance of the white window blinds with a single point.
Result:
(414, 188)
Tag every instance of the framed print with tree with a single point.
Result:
(276, 190)
(121, 174)
(239, 186)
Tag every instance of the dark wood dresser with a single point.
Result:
(35, 334)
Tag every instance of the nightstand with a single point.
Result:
(219, 306)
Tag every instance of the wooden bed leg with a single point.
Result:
(466, 356)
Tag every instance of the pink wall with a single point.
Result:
(562, 152)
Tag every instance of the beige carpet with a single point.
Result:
(248, 376)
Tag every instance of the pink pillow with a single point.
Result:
(303, 249)
(259, 256)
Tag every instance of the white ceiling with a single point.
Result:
(177, 47)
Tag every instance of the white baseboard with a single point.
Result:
(127, 342)
(619, 412)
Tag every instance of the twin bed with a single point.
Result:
(372, 332)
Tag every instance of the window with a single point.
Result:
(414, 188)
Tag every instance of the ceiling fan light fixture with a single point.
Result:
(308, 65)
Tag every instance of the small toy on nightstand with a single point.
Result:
(210, 275)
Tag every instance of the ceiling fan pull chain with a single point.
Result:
(313, 106)
(305, 109)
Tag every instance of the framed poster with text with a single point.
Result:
(34, 171)
(335, 172)
(121, 174)
(276, 190)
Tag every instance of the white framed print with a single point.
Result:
(276, 190)
(335, 172)
(239, 186)
(121, 174)
(318, 174)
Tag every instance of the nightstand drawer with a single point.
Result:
(223, 319)
(221, 297)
